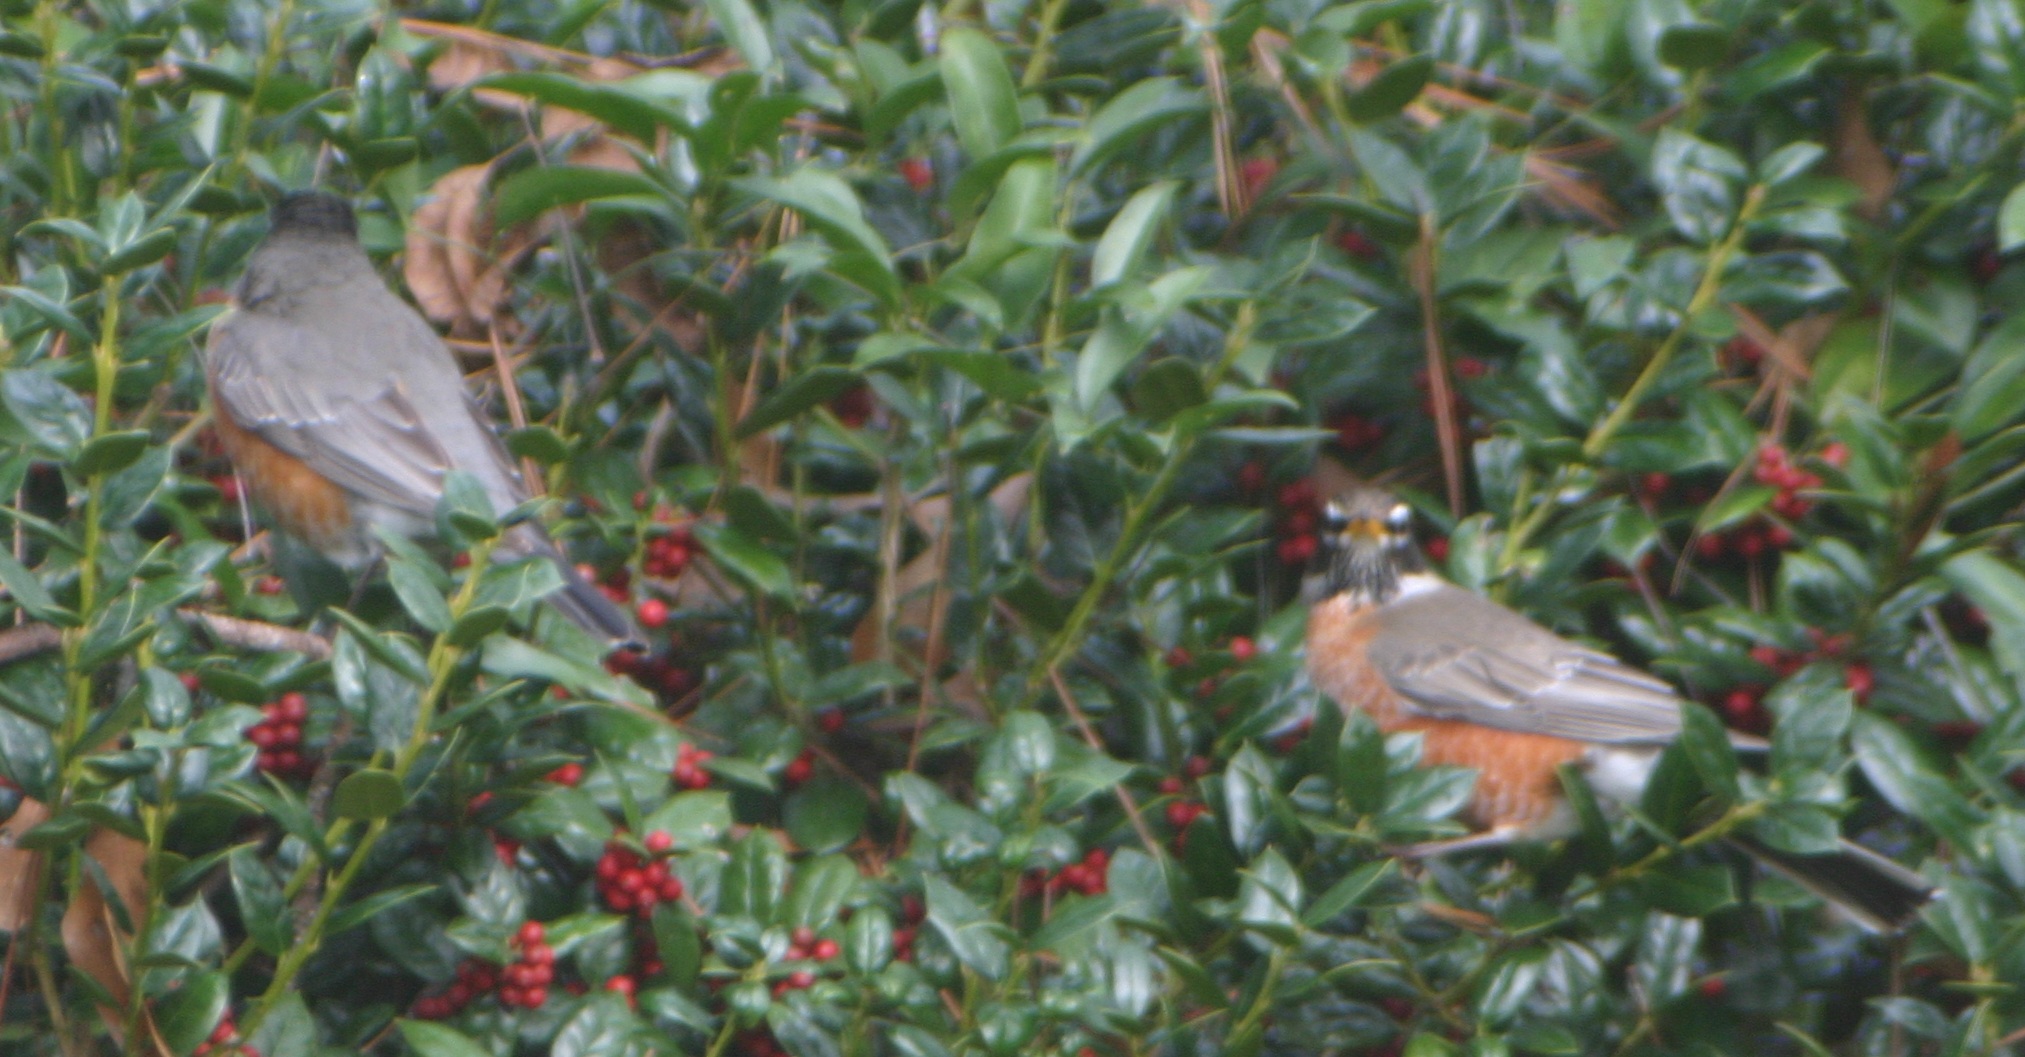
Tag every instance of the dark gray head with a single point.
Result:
(1367, 544)
(313, 213)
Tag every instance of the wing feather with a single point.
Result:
(1451, 654)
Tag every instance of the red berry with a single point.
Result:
(1357, 244)
(1655, 485)
(1257, 173)
(1242, 649)
(1835, 453)
(1251, 477)
(919, 174)
(1179, 657)
(294, 707)
(830, 720)
(658, 841)
(653, 613)
(1196, 766)
(1769, 656)
(1712, 987)
(1296, 550)
(531, 934)
(824, 950)
(1170, 786)
(799, 769)
(1437, 549)
(1860, 679)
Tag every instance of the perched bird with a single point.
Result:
(1488, 689)
(342, 410)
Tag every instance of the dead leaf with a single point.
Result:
(455, 265)
(95, 935)
(920, 594)
(1859, 158)
(18, 866)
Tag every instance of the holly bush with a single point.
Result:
(948, 392)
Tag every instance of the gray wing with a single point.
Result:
(373, 444)
(1455, 655)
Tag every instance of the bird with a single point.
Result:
(343, 411)
(1487, 688)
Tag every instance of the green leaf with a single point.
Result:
(188, 1015)
(364, 910)
(1690, 891)
(1390, 90)
(539, 443)
(832, 208)
(2011, 220)
(531, 192)
(808, 388)
(620, 110)
(430, 1039)
(28, 592)
(1166, 388)
(1694, 45)
(477, 624)
(1124, 242)
(369, 794)
(746, 30)
(1349, 892)
(757, 567)
(826, 814)
(977, 940)
(418, 594)
(1155, 102)
(1707, 746)
(982, 101)
(111, 451)
(261, 906)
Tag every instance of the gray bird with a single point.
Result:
(343, 410)
(1489, 689)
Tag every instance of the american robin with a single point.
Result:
(1490, 690)
(343, 411)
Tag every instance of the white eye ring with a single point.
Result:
(1399, 518)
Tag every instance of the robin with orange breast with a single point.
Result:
(343, 410)
(1490, 690)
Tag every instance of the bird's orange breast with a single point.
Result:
(1517, 786)
(305, 503)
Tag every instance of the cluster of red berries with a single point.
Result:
(1356, 433)
(524, 983)
(655, 672)
(759, 1041)
(1241, 649)
(628, 881)
(668, 553)
(799, 770)
(1091, 876)
(225, 1040)
(689, 772)
(1298, 509)
(278, 736)
(912, 913)
(475, 980)
(1776, 468)
(1182, 814)
(804, 945)
(1858, 676)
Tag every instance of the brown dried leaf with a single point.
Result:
(92, 936)
(18, 866)
(919, 588)
(456, 267)
(1859, 158)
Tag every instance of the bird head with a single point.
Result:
(1367, 545)
(313, 213)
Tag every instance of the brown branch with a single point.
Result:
(27, 641)
(1125, 797)
(258, 635)
(1422, 263)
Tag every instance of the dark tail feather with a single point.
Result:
(1879, 893)
(579, 600)
(588, 608)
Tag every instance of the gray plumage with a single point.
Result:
(323, 361)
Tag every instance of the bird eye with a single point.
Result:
(1334, 519)
(1399, 518)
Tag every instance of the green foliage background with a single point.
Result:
(1111, 275)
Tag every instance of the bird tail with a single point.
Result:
(1880, 894)
(588, 608)
(578, 600)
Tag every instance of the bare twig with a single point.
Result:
(27, 641)
(258, 635)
